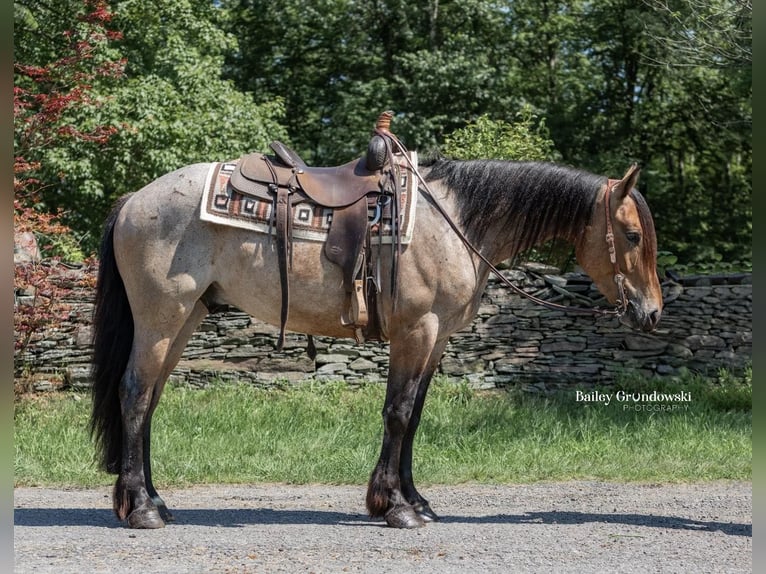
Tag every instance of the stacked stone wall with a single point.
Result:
(706, 326)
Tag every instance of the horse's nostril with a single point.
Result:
(654, 318)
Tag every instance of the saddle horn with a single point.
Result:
(377, 149)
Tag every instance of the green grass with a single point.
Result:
(330, 433)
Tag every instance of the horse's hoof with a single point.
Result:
(145, 517)
(404, 517)
(425, 512)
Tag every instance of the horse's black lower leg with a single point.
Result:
(384, 495)
(410, 363)
(419, 504)
(132, 501)
(165, 513)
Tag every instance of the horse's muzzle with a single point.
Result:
(636, 317)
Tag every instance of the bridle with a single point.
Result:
(622, 303)
(619, 278)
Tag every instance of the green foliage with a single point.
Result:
(171, 108)
(525, 139)
(64, 246)
(170, 123)
(713, 264)
(330, 433)
(727, 27)
(665, 84)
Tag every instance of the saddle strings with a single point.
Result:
(390, 140)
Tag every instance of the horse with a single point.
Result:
(163, 269)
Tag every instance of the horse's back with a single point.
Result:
(173, 198)
(160, 223)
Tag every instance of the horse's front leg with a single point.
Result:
(409, 362)
(420, 504)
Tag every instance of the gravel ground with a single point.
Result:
(544, 527)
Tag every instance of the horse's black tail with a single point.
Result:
(112, 341)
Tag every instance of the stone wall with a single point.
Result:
(706, 325)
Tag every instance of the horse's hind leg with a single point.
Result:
(155, 352)
(174, 355)
(131, 499)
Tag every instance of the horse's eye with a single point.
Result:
(633, 237)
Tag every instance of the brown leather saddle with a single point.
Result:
(349, 190)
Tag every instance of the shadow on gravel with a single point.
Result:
(238, 517)
(226, 517)
(563, 517)
(241, 516)
(64, 517)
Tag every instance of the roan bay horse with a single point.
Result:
(162, 269)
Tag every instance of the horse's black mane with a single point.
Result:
(536, 201)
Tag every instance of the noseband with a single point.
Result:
(622, 303)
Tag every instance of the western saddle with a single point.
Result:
(372, 181)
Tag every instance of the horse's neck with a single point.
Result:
(504, 239)
(492, 247)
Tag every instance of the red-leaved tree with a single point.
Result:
(45, 97)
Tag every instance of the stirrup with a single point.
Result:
(359, 315)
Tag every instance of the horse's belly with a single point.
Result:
(317, 299)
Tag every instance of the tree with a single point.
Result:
(339, 63)
(170, 108)
(710, 34)
(54, 103)
(699, 127)
(316, 56)
(56, 100)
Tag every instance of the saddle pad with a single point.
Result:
(224, 205)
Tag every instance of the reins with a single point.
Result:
(622, 303)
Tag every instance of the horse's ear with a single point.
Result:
(628, 181)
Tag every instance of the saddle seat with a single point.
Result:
(333, 187)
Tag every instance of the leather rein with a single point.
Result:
(622, 304)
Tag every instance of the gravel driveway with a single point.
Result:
(544, 527)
